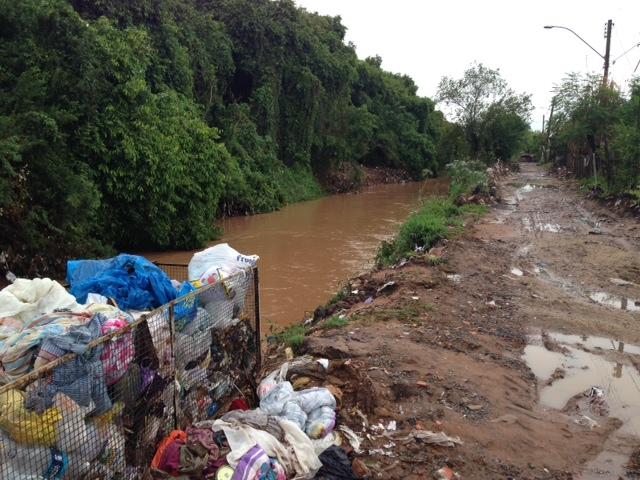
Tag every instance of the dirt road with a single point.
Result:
(500, 345)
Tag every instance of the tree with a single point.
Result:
(479, 99)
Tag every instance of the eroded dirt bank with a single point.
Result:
(499, 345)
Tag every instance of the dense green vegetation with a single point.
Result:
(591, 119)
(492, 120)
(133, 124)
(437, 218)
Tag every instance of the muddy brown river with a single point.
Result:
(308, 249)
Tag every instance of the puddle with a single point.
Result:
(620, 303)
(609, 366)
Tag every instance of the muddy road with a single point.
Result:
(524, 343)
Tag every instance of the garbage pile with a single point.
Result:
(91, 413)
(290, 435)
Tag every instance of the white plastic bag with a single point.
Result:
(219, 257)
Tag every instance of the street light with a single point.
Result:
(605, 57)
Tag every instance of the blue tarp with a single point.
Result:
(132, 281)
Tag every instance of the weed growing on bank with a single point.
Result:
(438, 218)
(293, 337)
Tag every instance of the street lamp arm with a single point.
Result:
(581, 39)
(636, 45)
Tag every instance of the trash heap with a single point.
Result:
(92, 414)
(290, 435)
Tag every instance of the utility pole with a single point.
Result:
(542, 154)
(548, 142)
(607, 33)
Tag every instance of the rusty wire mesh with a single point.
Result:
(99, 413)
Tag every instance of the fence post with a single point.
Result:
(176, 383)
(256, 289)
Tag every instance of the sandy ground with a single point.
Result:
(498, 345)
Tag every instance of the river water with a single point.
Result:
(309, 249)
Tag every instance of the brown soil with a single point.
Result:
(440, 353)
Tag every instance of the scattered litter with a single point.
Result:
(379, 451)
(445, 473)
(387, 286)
(368, 300)
(455, 277)
(517, 272)
(415, 298)
(355, 292)
(586, 422)
(595, 231)
(324, 362)
(594, 392)
(289, 353)
(491, 303)
(475, 407)
(392, 426)
(433, 438)
(528, 188)
(620, 282)
(352, 437)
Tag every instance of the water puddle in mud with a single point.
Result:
(620, 303)
(568, 367)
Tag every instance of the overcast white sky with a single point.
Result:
(428, 40)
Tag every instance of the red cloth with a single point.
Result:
(239, 404)
(158, 458)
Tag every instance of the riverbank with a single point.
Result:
(496, 337)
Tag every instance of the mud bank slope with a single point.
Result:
(499, 345)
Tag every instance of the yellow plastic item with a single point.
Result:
(24, 426)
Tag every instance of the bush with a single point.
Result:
(467, 176)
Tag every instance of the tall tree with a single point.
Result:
(480, 97)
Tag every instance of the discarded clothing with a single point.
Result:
(119, 353)
(27, 299)
(81, 378)
(256, 419)
(335, 465)
(133, 282)
(295, 453)
(19, 350)
(256, 465)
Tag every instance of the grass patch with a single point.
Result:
(474, 209)
(334, 322)
(422, 230)
(339, 296)
(438, 218)
(294, 337)
(408, 313)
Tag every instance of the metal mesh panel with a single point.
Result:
(177, 271)
(101, 413)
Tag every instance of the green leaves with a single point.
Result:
(494, 117)
(135, 124)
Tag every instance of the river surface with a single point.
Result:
(309, 249)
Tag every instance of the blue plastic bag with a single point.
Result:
(186, 310)
(132, 281)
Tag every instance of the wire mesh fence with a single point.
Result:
(97, 393)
